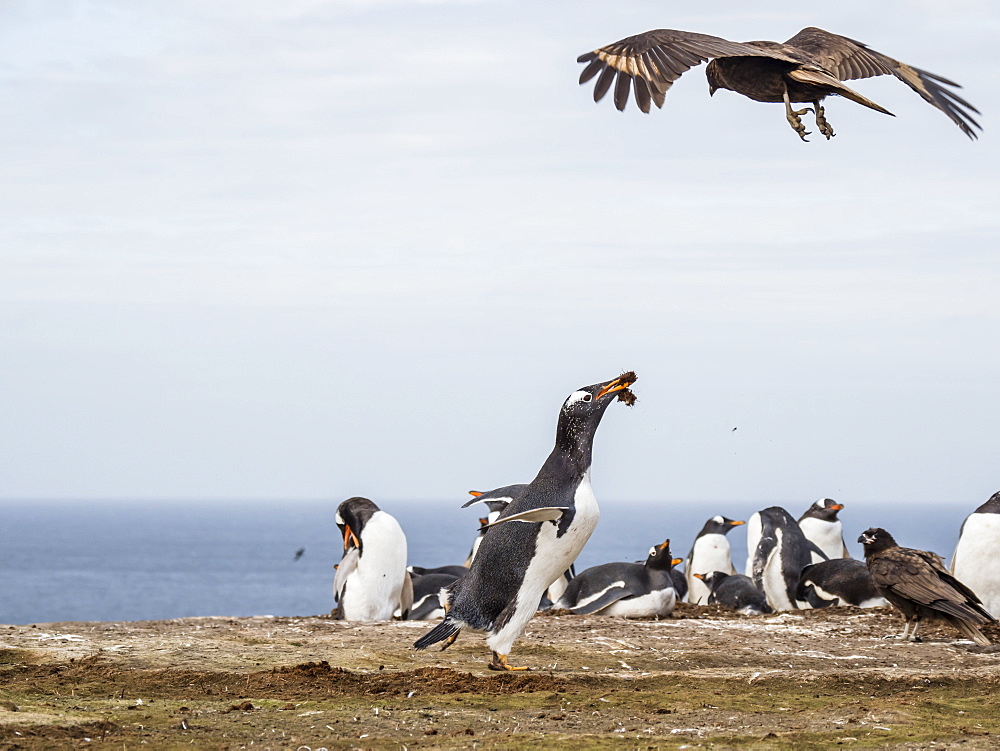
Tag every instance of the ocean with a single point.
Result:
(142, 560)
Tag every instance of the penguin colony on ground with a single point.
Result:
(522, 559)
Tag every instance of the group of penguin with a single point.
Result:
(522, 559)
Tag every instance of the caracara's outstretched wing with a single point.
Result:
(651, 62)
(849, 59)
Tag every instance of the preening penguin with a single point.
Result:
(371, 581)
(709, 552)
(625, 589)
(734, 591)
(538, 535)
(778, 551)
(821, 527)
(975, 559)
(918, 585)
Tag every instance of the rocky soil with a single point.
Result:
(702, 678)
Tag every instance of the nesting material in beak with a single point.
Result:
(621, 386)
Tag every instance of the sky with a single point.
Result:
(297, 249)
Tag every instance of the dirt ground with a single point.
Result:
(701, 678)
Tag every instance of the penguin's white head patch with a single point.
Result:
(718, 519)
(652, 551)
(578, 396)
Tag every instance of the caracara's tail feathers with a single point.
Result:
(971, 632)
(446, 629)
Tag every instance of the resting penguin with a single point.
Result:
(625, 589)
(840, 581)
(734, 591)
(371, 581)
(709, 552)
(537, 537)
(426, 596)
(496, 500)
(917, 585)
(778, 553)
(975, 557)
(821, 526)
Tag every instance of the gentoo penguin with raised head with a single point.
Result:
(821, 527)
(778, 551)
(734, 591)
(625, 589)
(975, 559)
(709, 552)
(371, 581)
(917, 584)
(839, 581)
(538, 535)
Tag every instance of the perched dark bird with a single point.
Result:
(625, 589)
(839, 581)
(918, 585)
(538, 535)
(371, 581)
(977, 552)
(709, 552)
(821, 527)
(735, 591)
(807, 68)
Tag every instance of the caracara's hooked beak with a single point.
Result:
(866, 538)
(621, 383)
(350, 538)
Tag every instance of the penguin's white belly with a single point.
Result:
(775, 586)
(553, 555)
(653, 603)
(372, 592)
(827, 536)
(975, 560)
(711, 553)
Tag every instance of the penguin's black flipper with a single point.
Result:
(765, 547)
(608, 597)
(446, 629)
(814, 549)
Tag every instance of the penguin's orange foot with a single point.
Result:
(499, 662)
(451, 640)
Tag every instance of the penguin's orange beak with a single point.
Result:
(350, 538)
(736, 524)
(837, 506)
(665, 545)
(475, 493)
(619, 384)
(676, 561)
(699, 576)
